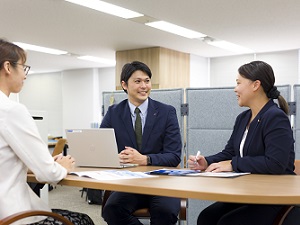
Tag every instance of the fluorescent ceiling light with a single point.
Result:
(40, 49)
(175, 29)
(98, 60)
(107, 8)
(229, 46)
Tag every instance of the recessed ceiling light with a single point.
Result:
(107, 8)
(40, 49)
(229, 46)
(175, 29)
(98, 60)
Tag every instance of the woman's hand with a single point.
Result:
(197, 162)
(66, 161)
(223, 166)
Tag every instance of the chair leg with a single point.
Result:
(82, 192)
(180, 222)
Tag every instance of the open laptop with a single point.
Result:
(94, 148)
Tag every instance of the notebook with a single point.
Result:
(94, 148)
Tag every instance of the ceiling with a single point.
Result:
(261, 25)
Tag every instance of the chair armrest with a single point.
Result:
(21, 215)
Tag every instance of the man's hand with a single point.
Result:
(131, 155)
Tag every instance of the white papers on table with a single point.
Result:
(217, 174)
(111, 174)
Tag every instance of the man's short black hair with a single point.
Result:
(129, 68)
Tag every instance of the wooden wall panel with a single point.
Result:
(170, 69)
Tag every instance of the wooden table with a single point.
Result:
(260, 189)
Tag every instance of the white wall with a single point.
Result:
(199, 71)
(70, 98)
(80, 106)
(285, 65)
(43, 92)
(82, 96)
(223, 70)
(107, 82)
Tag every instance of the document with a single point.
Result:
(111, 174)
(194, 173)
(217, 174)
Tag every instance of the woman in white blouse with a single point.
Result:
(21, 147)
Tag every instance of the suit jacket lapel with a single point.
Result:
(250, 134)
(150, 121)
(126, 117)
(254, 124)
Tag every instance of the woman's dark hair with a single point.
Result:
(11, 52)
(129, 68)
(259, 70)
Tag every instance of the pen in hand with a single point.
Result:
(196, 157)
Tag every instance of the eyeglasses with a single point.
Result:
(25, 67)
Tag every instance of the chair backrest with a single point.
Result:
(22, 215)
(59, 147)
(297, 166)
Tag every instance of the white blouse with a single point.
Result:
(243, 142)
(21, 147)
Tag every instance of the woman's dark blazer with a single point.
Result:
(269, 146)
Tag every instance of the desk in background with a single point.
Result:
(52, 143)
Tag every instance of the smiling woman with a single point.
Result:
(261, 143)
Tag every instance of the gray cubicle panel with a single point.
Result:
(297, 120)
(172, 97)
(210, 120)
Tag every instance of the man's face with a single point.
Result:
(138, 87)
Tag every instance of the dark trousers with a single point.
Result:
(120, 206)
(238, 214)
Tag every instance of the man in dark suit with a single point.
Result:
(158, 143)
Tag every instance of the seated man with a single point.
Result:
(147, 133)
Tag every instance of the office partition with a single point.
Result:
(296, 88)
(210, 120)
(211, 116)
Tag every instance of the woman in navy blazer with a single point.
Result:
(261, 143)
(161, 146)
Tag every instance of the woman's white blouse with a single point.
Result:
(243, 142)
(21, 147)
